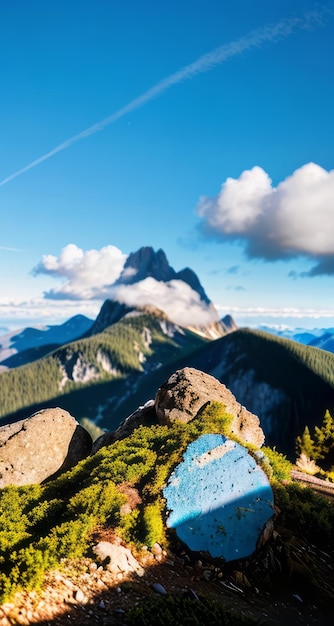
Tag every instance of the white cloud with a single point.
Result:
(239, 203)
(16, 313)
(295, 218)
(87, 274)
(253, 311)
(180, 303)
(293, 317)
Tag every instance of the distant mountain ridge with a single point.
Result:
(104, 369)
(319, 337)
(22, 346)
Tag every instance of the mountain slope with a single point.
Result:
(286, 384)
(90, 376)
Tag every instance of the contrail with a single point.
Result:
(7, 249)
(254, 39)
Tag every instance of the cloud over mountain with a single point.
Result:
(144, 277)
(179, 301)
(296, 218)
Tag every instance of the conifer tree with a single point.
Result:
(305, 444)
(324, 441)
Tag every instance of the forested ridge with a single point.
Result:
(117, 352)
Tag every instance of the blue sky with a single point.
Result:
(209, 134)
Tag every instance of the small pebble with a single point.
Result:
(80, 597)
(159, 589)
(297, 597)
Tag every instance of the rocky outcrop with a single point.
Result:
(111, 312)
(229, 324)
(143, 416)
(181, 398)
(188, 390)
(40, 447)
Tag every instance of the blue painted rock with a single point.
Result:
(219, 499)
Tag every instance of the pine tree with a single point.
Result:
(324, 441)
(305, 444)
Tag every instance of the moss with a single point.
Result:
(216, 418)
(279, 468)
(306, 513)
(153, 523)
(42, 524)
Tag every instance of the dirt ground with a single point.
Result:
(272, 587)
(287, 581)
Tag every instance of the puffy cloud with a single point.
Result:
(239, 203)
(87, 274)
(296, 218)
(177, 299)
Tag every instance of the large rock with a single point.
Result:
(41, 446)
(188, 390)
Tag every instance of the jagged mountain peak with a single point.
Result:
(229, 323)
(148, 263)
(188, 276)
(179, 294)
(112, 312)
(145, 263)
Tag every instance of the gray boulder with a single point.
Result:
(41, 446)
(188, 390)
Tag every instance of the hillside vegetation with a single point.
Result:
(247, 362)
(84, 374)
(41, 525)
(320, 362)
